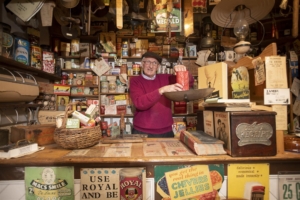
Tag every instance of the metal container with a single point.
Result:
(6, 41)
(21, 48)
(36, 56)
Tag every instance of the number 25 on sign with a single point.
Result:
(289, 185)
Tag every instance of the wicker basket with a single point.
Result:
(78, 138)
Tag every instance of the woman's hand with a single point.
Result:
(170, 88)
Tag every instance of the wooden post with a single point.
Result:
(280, 142)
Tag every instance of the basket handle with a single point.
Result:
(69, 108)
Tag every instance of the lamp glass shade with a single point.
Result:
(241, 28)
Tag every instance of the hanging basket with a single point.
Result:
(77, 138)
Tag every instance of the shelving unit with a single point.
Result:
(12, 64)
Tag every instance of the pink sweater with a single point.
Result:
(153, 111)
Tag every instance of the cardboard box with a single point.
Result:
(41, 134)
(48, 117)
(62, 90)
(46, 88)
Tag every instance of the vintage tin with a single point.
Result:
(252, 133)
(125, 48)
(21, 48)
(36, 56)
(7, 41)
(104, 86)
(75, 47)
(136, 70)
(48, 62)
(131, 183)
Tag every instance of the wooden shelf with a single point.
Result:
(90, 86)
(12, 64)
(70, 57)
(114, 93)
(118, 115)
(88, 38)
(184, 114)
(77, 70)
(132, 36)
(83, 95)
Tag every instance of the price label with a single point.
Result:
(289, 186)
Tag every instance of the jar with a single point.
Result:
(125, 48)
(21, 48)
(68, 64)
(64, 78)
(74, 47)
(112, 86)
(104, 87)
(7, 41)
(136, 70)
(123, 69)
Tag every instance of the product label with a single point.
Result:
(7, 40)
(36, 55)
(131, 185)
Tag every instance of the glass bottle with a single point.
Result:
(128, 127)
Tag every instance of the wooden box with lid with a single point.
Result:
(252, 133)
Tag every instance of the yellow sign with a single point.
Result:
(189, 182)
(248, 181)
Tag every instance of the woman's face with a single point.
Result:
(62, 101)
(150, 66)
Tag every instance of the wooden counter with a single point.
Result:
(53, 155)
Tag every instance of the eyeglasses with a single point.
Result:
(154, 63)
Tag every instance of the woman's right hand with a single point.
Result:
(170, 88)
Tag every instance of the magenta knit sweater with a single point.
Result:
(153, 111)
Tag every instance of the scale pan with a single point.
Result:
(189, 95)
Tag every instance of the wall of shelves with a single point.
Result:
(12, 64)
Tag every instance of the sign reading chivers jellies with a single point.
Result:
(113, 183)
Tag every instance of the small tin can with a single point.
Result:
(123, 69)
(21, 48)
(48, 62)
(131, 184)
(136, 70)
(125, 48)
(104, 87)
(7, 41)
(75, 47)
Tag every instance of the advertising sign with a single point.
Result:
(55, 183)
(113, 183)
(167, 15)
(248, 181)
(187, 182)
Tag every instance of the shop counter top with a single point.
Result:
(53, 155)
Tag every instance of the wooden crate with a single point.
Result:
(41, 134)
